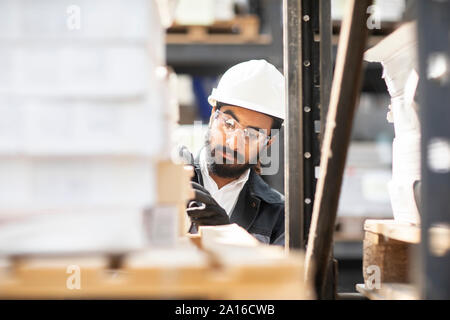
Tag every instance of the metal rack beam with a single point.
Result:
(434, 96)
(308, 68)
(293, 173)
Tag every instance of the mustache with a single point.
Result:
(229, 152)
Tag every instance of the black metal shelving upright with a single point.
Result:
(434, 96)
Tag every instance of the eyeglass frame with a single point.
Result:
(245, 130)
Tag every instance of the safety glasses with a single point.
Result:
(231, 126)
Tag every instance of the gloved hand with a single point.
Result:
(204, 210)
(184, 156)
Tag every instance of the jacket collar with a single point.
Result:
(260, 189)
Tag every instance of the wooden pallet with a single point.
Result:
(391, 229)
(244, 29)
(388, 245)
(223, 269)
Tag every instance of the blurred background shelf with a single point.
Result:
(218, 46)
(240, 30)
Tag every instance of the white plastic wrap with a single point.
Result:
(84, 114)
(402, 199)
(112, 19)
(398, 55)
(47, 184)
(112, 231)
(80, 128)
(406, 157)
(77, 71)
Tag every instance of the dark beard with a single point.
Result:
(221, 168)
(228, 170)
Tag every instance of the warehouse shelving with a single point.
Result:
(201, 58)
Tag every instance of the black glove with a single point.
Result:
(204, 210)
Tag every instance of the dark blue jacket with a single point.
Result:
(259, 209)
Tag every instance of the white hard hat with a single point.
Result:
(256, 85)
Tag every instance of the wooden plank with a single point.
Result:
(197, 33)
(173, 189)
(394, 230)
(224, 270)
(344, 95)
(240, 30)
(389, 291)
(241, 24)
(268, 281)
(174, 183)
(230, 39)
(230, 234)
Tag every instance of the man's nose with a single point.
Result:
(234, 140)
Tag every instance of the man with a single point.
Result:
(247, 112)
